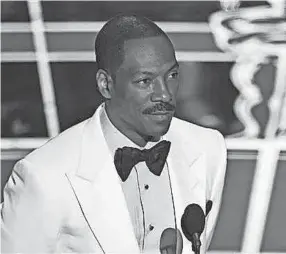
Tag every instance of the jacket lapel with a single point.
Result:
(187, 174)
(99, 193)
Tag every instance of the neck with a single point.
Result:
(130, 133)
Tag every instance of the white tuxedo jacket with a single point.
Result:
(66, 196)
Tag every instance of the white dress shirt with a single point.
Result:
(148, 197)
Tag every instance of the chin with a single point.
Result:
(155, 128)
(159, 131)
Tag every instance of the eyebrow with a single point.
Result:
(145, 72)
(175, 65)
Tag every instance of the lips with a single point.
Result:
(161, 116)
(159, 113)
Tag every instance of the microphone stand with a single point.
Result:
(196, 243)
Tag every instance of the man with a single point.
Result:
(97, 188)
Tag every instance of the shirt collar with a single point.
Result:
(116, 139)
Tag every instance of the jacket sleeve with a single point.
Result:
(30, 214)
(216, 189)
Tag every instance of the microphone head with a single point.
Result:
(171, 241)
(193, 221)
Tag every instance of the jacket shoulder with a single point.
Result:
(204, 140)
(60, 152)
(199, 135)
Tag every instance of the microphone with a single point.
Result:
(171, 241)
(193, 224)
(209, 206)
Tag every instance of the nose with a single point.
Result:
(161, 91)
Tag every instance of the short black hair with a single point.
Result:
(109, 43)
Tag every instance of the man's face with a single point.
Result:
(146, 85)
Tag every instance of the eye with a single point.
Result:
(173, 75)
(144, 81)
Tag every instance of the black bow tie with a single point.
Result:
(127, 157)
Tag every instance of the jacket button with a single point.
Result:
(146, 186)
(151, 227)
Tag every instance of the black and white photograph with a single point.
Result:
(154, 127)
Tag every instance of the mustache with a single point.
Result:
(162, 106)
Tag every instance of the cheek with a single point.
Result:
(139, 98)
(173, 87)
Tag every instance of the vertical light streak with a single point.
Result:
(44, 70)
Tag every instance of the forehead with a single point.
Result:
(152, 53)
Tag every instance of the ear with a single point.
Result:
(104, 83)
